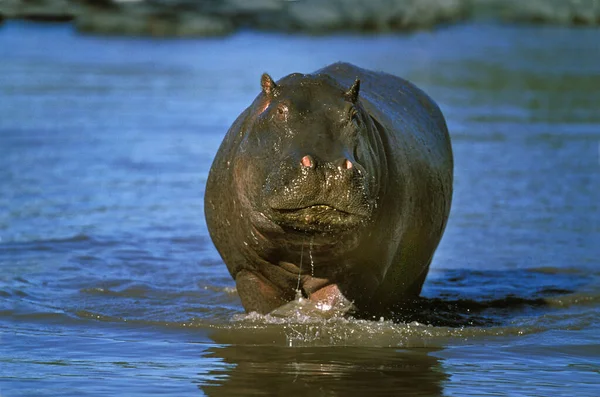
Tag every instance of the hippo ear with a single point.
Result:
(267, 84)
(352, 93)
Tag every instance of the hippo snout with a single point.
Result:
(312, 184)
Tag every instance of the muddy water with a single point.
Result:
(109, 284)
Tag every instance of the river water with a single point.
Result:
(110, 285)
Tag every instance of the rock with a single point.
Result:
(148, 19)
(312, 16)
(234, 7)
(427, 13)
(39, 10)
(315, 16)
(218, 17)
(558, 12)
(206, 17)
(9, 8)
(586, 12)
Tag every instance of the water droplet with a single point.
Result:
(300, 269)
(312, 263)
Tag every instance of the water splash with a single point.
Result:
(298, 292)
(306, 328)
(312, 263)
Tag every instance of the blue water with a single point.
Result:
(110, 285)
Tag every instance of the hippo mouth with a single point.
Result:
(317, 217)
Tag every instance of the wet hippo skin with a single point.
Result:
(337, 184)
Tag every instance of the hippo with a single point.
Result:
(331, 186)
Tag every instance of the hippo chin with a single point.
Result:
(337, 184)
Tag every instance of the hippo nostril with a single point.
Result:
(307, 161)
(344, 164)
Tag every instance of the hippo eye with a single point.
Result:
(281, 112)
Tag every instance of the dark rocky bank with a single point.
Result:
(181, 18)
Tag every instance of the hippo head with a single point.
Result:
(309, 159)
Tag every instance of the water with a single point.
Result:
(109, 284)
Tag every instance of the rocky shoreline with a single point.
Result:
(181, 18)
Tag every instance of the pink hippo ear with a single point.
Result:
(268, 85)
(352, 93)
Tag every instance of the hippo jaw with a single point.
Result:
(319, 218)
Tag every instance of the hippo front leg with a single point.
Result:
(257, 293)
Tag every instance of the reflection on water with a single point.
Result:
(109, 283)
(321, 371)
